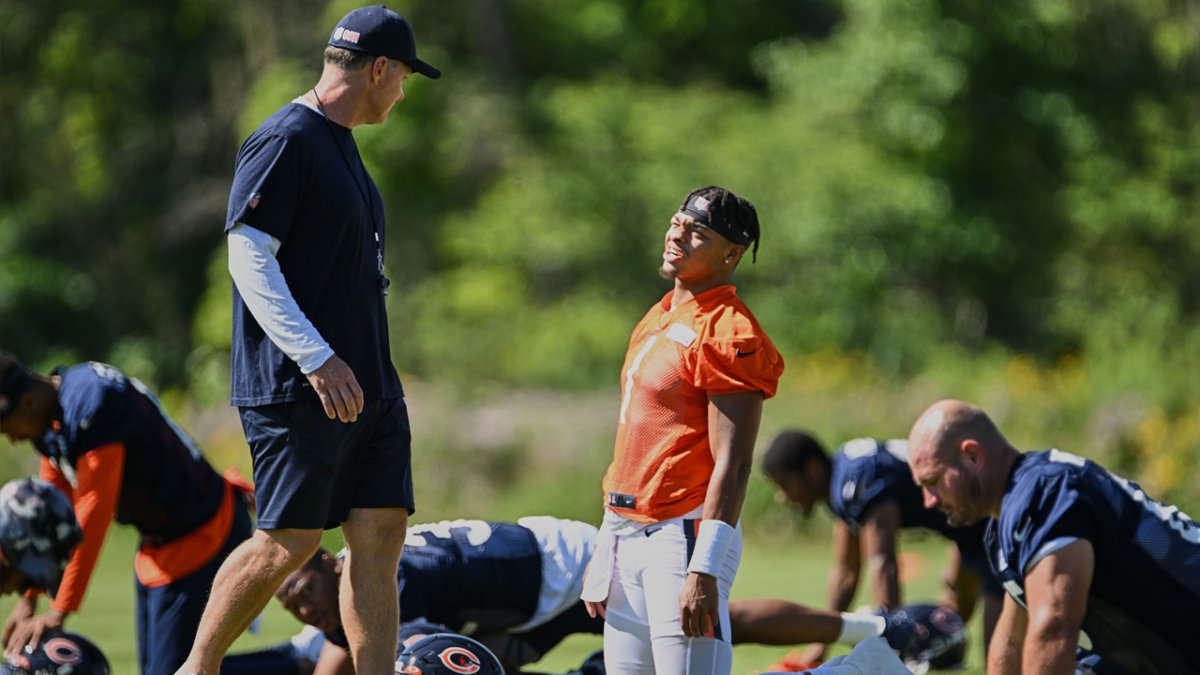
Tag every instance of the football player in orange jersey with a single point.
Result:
(697, 371)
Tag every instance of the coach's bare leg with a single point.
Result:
(369, 599)
(243, 587)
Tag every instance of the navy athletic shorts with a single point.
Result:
(309, 470)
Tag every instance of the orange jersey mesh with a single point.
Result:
(708, 346)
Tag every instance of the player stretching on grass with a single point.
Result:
(1076, 547)
(697, 371)
(109, 446)
(867, 485)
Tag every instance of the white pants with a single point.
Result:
(642, 631)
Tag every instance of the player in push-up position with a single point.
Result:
(108, 445)
(695, 376)
(1076, 548)
(513, 587)
(868, 486)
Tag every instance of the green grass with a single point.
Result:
(793, 567)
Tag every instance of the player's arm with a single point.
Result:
(98, 474)
(962, 586)
(1007, 643)
(847, 565)
(879, 548)
(733, 421)
(779, 622)
(259, 279)
(1056, 592)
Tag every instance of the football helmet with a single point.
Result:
(59, 654)
(941, 638)
(413, 631)
(38, 530)
(447, 654)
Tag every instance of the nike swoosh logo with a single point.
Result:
(1023, 531)
(650, 532)
(741, 354)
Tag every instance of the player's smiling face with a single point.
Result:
(692, 252)
(311, 595)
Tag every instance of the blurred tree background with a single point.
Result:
(990, 200)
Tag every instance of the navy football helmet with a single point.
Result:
(447, 654)
(413, 631)
(38, 530)
(941, 638)
(59, 654)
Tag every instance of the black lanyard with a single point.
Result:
(384, 282)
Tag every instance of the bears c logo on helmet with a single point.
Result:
(62, 651)
(460, 660)
(445, 654)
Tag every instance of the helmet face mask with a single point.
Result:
(941, 638)
(59, 654)
(447, 654)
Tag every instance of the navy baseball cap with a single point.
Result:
(379, 31)
(38, 531)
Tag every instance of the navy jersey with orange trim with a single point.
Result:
(1144, 601)
(168, 489)
(472, 576)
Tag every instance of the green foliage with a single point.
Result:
(938, 182)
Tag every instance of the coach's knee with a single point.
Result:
(285, 549)
(370, 532)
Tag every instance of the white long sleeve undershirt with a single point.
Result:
(259, 280)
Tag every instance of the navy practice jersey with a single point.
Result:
(1143, 608)
(868, 472)
(472, 576)
(167, 488)
(299, 179)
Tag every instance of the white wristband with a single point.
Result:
(859, 627)
(713, 542)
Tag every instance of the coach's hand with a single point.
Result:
(30, 631)
(335, 383)
(699, 605)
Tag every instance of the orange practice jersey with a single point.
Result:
(709, 346)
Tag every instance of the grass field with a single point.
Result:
(792, 568)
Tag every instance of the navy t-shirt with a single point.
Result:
(167, 488)
(299, 178)
(868, 472)
(472, 576)
(1144, 602)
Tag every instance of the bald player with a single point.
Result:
(1076, 548)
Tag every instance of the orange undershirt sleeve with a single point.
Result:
(98, 476)
(50, 473)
